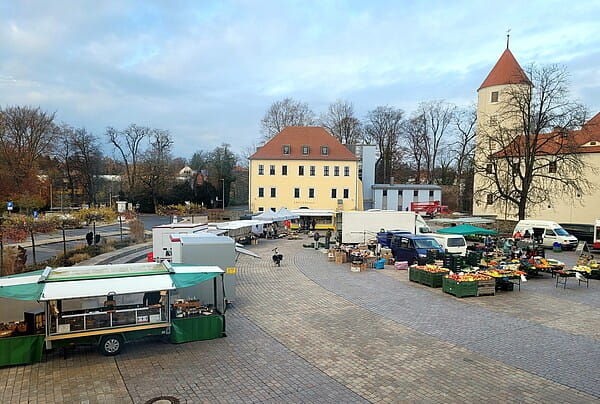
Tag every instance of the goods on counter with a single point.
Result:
(468, 277)
(582, 268)
(12, 328)
(502, 273)
(190, 308)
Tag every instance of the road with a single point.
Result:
(45, 249)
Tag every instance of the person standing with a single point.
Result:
(316, 237)
(327, 238)
(314, 224)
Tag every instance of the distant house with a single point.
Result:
(400, 196)
(304, 167)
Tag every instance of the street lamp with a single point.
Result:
(223, 179)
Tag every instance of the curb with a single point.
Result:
(110, 257)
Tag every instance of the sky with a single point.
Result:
(208, 70)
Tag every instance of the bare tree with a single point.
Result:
(64, 153)
(155, 170)
(339, 120)
(537, 155)
(437, 116)
(414, 133)
(129, 142)
(87, 157)
(383, 126)
(26, 134)
(463, 149)
(284, 113)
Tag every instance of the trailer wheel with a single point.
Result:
(111, 345)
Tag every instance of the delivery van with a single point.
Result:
(413, 248)
(547, 231)
(452, 243)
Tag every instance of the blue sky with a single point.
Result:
(208, 70)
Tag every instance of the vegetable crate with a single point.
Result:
(454, 262)
(459, 289)
(486, 287)
(414, 274)
(431, 279)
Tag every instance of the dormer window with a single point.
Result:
(305, 150)
(324, 150)
(286, 149)
(494, 96)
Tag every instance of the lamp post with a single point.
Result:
(223, 179)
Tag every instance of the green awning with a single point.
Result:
(467, 229)
(190, 279)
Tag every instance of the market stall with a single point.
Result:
(108, 305)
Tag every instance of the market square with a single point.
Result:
(312, 331)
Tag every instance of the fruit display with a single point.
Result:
(435, 269)
(503, 273)
(468, 277)
(582, 268)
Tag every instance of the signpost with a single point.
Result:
(9, 206)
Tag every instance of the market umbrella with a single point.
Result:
(285, 213)
(269, 216)
(100, 280)
(467, 229)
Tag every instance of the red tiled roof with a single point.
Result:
(506, 71)
(553, 143)
(298, 136)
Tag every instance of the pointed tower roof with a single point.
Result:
(506, 71)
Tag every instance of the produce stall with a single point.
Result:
(108, 305)
(429, 275)
(468, 285)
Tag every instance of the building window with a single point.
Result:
(490, 199)
(385, 192)
(296, 192)
(326, 171)
(312, 171)
(494, 96)
(286, 149)
(336, 171)
(273, 209)
(261, 169)
(261, 192)
(272, 170)
(311, 192)
(305, 150)
(431, 194)
(346, 171)
(489, 168)
(346, 193)
(324, 150)
(333, 193)
(516, 167)
(283, 170)
(261, 209)
(552, 167)
(273, 192)
(300, 170)
(416, 193)
(493, 120)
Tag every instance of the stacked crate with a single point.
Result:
(454, 262)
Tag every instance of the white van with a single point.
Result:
(549, 232)
(452, 243)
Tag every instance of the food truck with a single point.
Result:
(109, 305)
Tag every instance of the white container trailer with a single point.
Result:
(161, 243)
(354, 227)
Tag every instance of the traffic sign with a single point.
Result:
(9, 205)
(35, 214)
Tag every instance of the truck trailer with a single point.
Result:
(355, 227)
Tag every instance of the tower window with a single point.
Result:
(494, 96)
(490, 199)
(552, 167)
(493, 120)
(489, 168)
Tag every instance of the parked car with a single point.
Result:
(412, 248)
(547, 232)
(384, 238)
(452, 243)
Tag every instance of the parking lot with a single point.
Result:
(312, 331)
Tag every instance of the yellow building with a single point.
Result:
(576, 208)
(304, 167)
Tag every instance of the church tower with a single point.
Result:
(505, 74)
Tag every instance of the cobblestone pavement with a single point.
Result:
(312, 331)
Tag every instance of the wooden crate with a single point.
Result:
(486, 287)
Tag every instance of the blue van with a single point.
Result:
(413, 248)
(384, 238)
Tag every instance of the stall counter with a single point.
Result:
(196, 328)
(21, 350)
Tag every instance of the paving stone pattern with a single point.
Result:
(388, 341)
(313, 332)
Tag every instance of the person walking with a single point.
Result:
(316, 237)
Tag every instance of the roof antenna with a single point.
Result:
(507, 37)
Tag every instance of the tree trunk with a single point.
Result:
(33, 248)
(522, 207)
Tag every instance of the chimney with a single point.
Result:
(391, 180)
